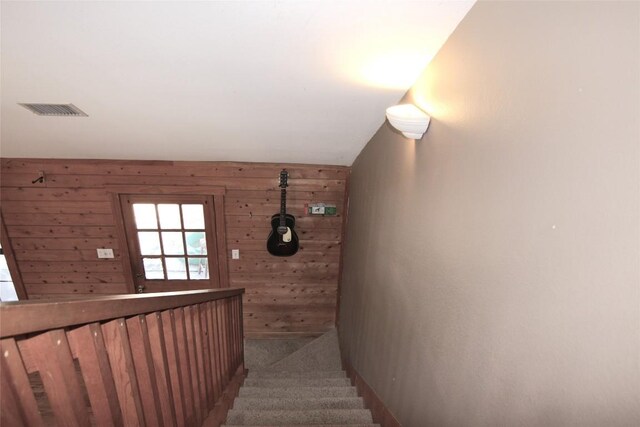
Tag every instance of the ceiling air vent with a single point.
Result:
(55, 110)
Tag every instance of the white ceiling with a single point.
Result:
(269, 81)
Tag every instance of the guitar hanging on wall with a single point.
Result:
(283, 240)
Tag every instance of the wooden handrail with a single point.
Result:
(163, 359)
(24, 317)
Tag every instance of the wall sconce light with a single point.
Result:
(408, 119)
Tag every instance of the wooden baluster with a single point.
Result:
(88, 346)
(143, 362)
(159, 356)
(184, 355)
(174, 366)
(218, 347)
(193, 361)
(19, 406)
(116, 340)
(202, 378)
(223, 342)
(202, 382)
(204, 328)
(227, 316)
(239, 330)
(232, 332)
(213, 346)
(52, 356)
(236, 333)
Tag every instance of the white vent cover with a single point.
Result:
(55, 110)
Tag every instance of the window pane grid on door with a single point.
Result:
(169, 216)
(149, 243)
(145, 216)
(193, 217)
(153, 268)
(172, 241)
(176, 268)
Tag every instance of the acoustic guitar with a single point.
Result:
(283, 240)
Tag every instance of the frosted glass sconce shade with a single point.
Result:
(408, 119)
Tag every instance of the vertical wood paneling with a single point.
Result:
(121, 361)
(185, 365)
(238, 319)
(197, 386)
(204, 328)
(232, 337)
(174, 366)
(19, 406)
(161, 366)
(52, 357)
(225, 335)
(228, 320)
(284, 295)
(88, 346)
(200, 357)
(143, 362)
(221, 344)
(213, 347)
(218, 344)
(241, 329)
(12, 413)
(234, 334)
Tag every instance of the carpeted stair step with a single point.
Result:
(287, 374)
(298, 392)
(314, 416)
(305, 388)
(293, 403)
(321, 354)
(297, 382)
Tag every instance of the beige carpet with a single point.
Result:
(303, 387)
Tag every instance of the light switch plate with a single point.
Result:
(105, 253)
(235, 253)
(317, 210)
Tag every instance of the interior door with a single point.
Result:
(171, 241)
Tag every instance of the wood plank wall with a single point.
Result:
(54, 228)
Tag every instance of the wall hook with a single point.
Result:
(40, 179)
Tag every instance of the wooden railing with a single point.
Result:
(136, 360)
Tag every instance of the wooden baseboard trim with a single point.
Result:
(381, 414)
(218, 415)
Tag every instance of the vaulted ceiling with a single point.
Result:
(269, 81)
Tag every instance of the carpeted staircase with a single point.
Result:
(307, 387)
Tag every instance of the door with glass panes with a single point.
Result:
(171, 241)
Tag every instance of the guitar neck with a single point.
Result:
(283, 207)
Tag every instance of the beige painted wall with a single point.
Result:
(492, 273)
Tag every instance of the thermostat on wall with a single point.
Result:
(321, 209)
